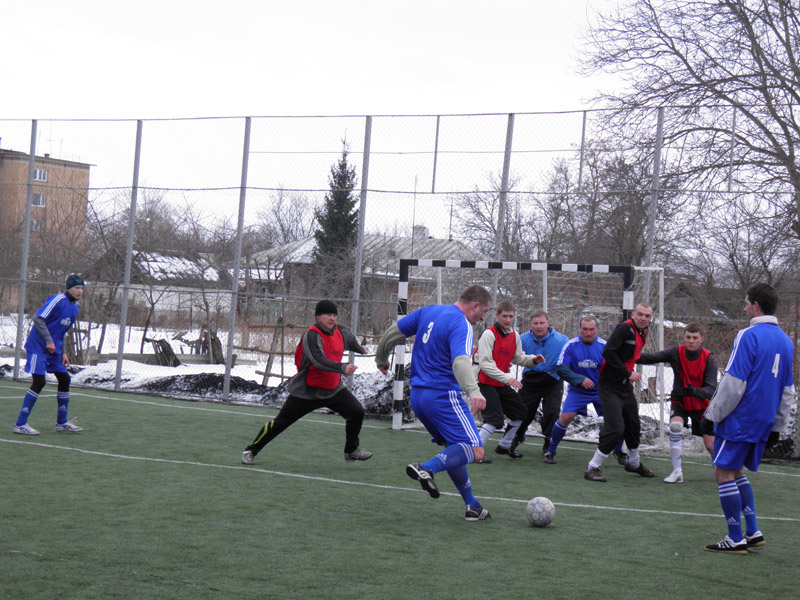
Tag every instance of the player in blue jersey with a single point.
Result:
(441, 367)
(44, 355)
(540, 383)
(579, 365)
(749, 409)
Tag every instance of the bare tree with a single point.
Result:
(729, 71)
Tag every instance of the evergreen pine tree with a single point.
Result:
(337, 234)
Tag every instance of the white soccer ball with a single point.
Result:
(540, 512)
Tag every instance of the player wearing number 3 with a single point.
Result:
(441, 367)
(749, 409)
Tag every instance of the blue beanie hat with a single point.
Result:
(74, 280)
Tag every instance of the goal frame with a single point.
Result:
(406, 264)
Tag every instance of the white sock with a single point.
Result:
(675, 443)
(633, 457)
(597, 459)
(511, 431)
(486, 432)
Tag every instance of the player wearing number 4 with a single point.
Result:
(749, 409)
(499, 348)
(694, 381)
(441, 367)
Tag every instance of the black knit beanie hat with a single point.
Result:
(325, 307)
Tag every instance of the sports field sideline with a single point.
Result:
(151, 501)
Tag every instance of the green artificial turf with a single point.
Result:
(151, 501)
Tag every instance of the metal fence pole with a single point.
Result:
(651, 233)
(362, 216)
(502, 201)
(237, 259)
(23, 267)
(126, 281)
(582, 154)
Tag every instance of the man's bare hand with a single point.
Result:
(587, 384)
(538, 359)
(476, 403)
(350, 369)
(514, 383)
(65, 360)
(383, 369)
(635, 377)
(51, 348)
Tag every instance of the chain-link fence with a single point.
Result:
(187, 229)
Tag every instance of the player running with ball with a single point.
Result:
(441, 367)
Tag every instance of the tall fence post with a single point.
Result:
(237, 259)
(656, 182)
(362, 215)
(23, 267)
(502, 201)
(126, 280)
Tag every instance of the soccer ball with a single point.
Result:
(540, 512)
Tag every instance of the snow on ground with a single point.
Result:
(205, 381)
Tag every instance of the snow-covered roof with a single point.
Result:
(382, 253)
(162, 267)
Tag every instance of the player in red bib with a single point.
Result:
(694, 381)
(318, 384)
(499, 348)
(615, 390)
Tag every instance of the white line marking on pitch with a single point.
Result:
(252, 469)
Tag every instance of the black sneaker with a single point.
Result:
(549, 458)
(546, 446)
(756, 540)
(477, 514)
(508, 452)
(728, 546)
(641, 470)
(593, 475)
(484, 461)
(622, 457)
(425, 478)
(516, 442)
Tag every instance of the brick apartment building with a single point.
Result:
(58, 212)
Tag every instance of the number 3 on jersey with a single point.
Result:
(427, 335)
(774, 365)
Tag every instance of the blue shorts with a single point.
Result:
(446, 416)
(735, 455)
(39, 363)
(577, 403)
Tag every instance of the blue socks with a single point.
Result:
(731, 501)
(450, 458)
(748, 504)
(63, 402)
(558, 433)
(454, 459)
(27, 406)
(461, 480)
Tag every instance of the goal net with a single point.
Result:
(567, 292)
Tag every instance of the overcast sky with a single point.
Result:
(174, 58)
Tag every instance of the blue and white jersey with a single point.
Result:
(442, 334)
(761, 361)
(585, 361)
(59, 314)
